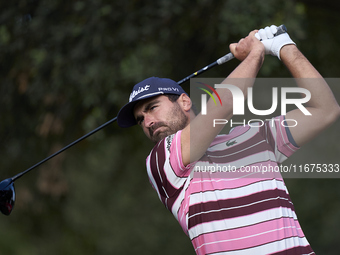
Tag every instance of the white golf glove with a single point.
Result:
(273, 44)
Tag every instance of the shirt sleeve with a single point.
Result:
(278, 138)
(165, 167)
(176, 156)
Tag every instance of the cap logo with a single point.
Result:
(169, 89)
(136, 92)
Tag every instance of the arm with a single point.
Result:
(322, 105)
(199, 134)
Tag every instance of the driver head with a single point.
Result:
(7, 196)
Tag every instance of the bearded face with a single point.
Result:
(159, 117)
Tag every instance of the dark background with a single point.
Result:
(72, 67)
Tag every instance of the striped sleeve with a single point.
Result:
(166, 171)
(276, 135)
(176, 156)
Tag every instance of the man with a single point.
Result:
(234, 214)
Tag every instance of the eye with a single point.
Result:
(140, 120)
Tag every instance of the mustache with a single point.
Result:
(155, 126)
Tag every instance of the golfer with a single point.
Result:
(237, 214)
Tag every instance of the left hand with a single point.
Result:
(273, 44)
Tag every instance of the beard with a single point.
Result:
(177, 120)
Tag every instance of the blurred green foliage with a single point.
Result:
(70, 69)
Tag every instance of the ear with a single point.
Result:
(185, 102)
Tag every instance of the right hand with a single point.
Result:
(250, 43)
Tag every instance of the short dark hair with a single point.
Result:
(173, 98)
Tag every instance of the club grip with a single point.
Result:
(225, 58)
(281, 30)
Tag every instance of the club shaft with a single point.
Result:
(65, 148)
(198, 72)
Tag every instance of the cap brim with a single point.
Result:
(125, 117)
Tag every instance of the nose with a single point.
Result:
(148, 120)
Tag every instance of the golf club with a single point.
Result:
(7, 191)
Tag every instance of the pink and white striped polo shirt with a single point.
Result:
(229, 202)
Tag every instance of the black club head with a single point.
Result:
(7, 196)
